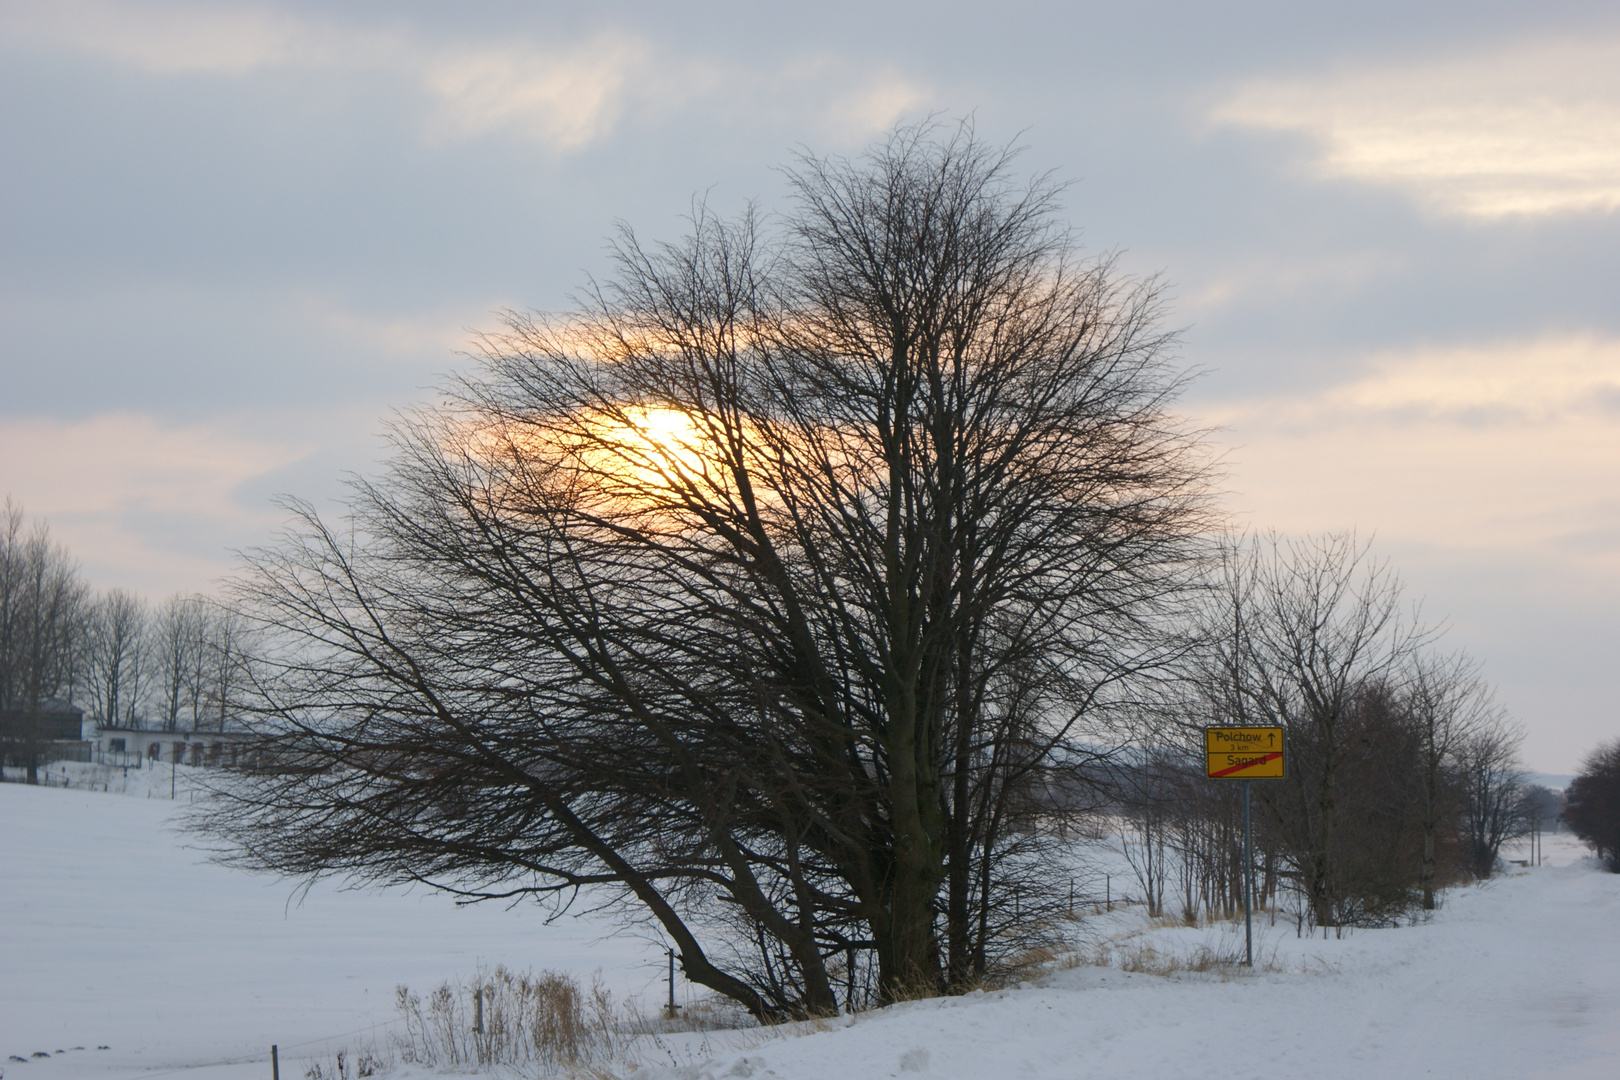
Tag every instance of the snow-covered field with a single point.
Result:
(116, 934)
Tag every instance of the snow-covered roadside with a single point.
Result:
(1519, 977)
(116, 934)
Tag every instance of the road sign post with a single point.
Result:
(1248, 883)
(1245, 753)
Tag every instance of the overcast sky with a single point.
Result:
(234, 237)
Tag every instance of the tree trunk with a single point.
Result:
(1426, 871)
(908, 956)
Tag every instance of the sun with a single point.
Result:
(653, 447)
(667, 430)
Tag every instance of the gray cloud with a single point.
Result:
(242, 234)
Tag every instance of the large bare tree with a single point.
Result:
(766, 593)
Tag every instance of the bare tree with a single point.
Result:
(1150, 787)
(1307, 634)
(195, 662)
(1448, 705)
(1540, 807)
(42, 601)
(177, 635)
(13, 603)
(222, 649)
(768, 591)
(1491, 791)
(115, 656)
(199, 680)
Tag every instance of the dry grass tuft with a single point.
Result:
(505, 1018)
(547, 1024)
(348, 1065)
(1130, 953)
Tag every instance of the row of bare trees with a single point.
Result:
(127, 664)
(168, 668)
(42, 602)
(1402, 771)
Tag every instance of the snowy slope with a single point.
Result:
(117, 934)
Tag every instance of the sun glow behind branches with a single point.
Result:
(646, 453)
(607, 458)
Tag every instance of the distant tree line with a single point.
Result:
(1593, 812)
(42, 605)
(126, 663)
(166, 668)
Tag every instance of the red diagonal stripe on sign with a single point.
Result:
(1261, 760)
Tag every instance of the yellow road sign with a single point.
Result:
(1244, 753)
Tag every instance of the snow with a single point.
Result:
(1515, 979)
(118, 934)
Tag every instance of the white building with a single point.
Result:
(135, 747)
